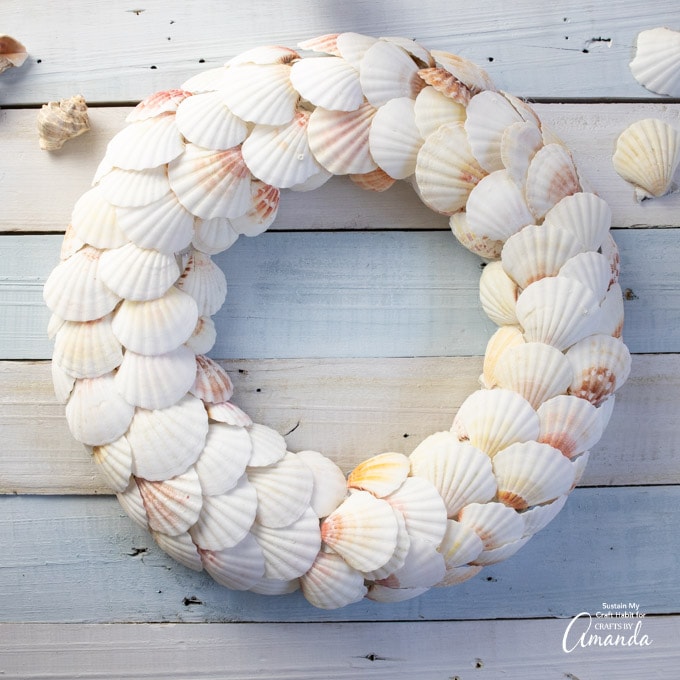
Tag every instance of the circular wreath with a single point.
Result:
(134, 293)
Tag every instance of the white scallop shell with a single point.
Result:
(114, 461)
(96, 414)
(71, 244)
(132, 188)
(326, 44)
(265, 54)
(656, 64)
(379, 593)
(489, 249)
(206, 121)
(494, 419)
(423, 567)
(496, 555)
(519, 143)
(398, 556)
(331, 583)
(353, 46)
(273, 586)
(496, 524)
(205, 282)
(166, 442)
(206, 81)
(180, 548)
(467, 72)
(551, 176)
(213, 236)
(262, 213)
(498, 294)
(156, 104)
(647, 155)
(133, 504)
(531, 473)
(590, 268)
(504, 338)
(611, 312)
(268, 445)
(376, 180)
(329, 82)
(94, 220)
(380, 475)
(203, 338)
(229, 414)
(460, 545)
(62, 383)
(540, 516)
(420, 54)
(432, 109)
(585, 215)
(330, 488)
(223, 460)
(212, 384)
(239, 567)
(461, 473)
(456, 575)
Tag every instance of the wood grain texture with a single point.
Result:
(80, 559)
(349, 409)
(497, 650)
(59, 178)
(574, 49)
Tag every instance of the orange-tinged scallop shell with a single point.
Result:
(158, 103)
(496, 524)
(446, 84)
(498, 294)
(460, 544)
(504, 338)
(380, 475)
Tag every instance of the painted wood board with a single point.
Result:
(80, 559)
(115, 51)
(456, 650)
(349, 409)
(50, 183)
(357, 294)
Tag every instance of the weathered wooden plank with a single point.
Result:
(352, 294)
(531, 650)
(59, 178)
(115, 52)
(79, 559)
(348, 409)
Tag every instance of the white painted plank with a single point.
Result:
(110, 52)
(348, 409)
(358, 294)
(57, 179)
(80, 559)
(531, 650)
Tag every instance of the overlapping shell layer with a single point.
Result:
(133, 296)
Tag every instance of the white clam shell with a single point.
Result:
(498, 294)
(331, 583)
(114, 461)
(239, 567)
(551, 176)
(381, 474)
(205, 282)
(432, 109)
(460, 545)
(329, 487)
(460, 472)
(656, 64)
(585, 215)
(131, 188)
(180, 548)
(94, 220)
(223, 460)
(496, 524)
(329, 82)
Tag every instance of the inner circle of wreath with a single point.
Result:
(133, 297)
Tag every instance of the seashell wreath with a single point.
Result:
(134, 293)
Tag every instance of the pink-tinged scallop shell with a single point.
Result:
(87, 349)
(540, 516)
(557, 311)
(647, 155)
(166, 442)
(538, 251)
(162, 225)
(570, 424)
(268, 445)
(601, 364)
(265, 54)
(165, 101)
(420, 54)
(203, 338)
(284, 490)
(262, 213)
(498, 294)
(376, 180)
(205, 120)
(519, 143)
(205, 282)
(226, 519)
(460, 472)
(398, 556)
(422, 507)
(501, 553)
(173, 505)
(432, 109)
(551, 176)
(656, 64)
(496, 207)
(585, 215)
(137, 273)
(331, 583)
(394, 139)
(536, 371)
(146, 144)
(423, 567)
(326, 44)
(211, 183)
(353, 46)
(446, 84)
(180, 548)
(239, 567)
(611, 312)
(590, 268)
(94, 220)
(229, 414)
(328, 82)
(504, 338)
(446, 171)
(456, 575)
(289, 552)
(460, 545)
(387, 72)
(96, 414)
(380, 475)
(379, 593)
(362, 530)
(531, 473)
(131, 501)
(494, 419)
(71, 244)
(12, 53)
(74, 290)
(223, 460)
(212, 385)
(329, 485)
(132, 188)
(489, 249)
(156, 326)
(610, 250)
(62, 383)
(213, 236)
(260, 93)
(281, 156)
(339, 139)
(114, 461)
(496, 524)
(467, 72)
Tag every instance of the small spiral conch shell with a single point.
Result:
(12, 53)
(60, 121)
